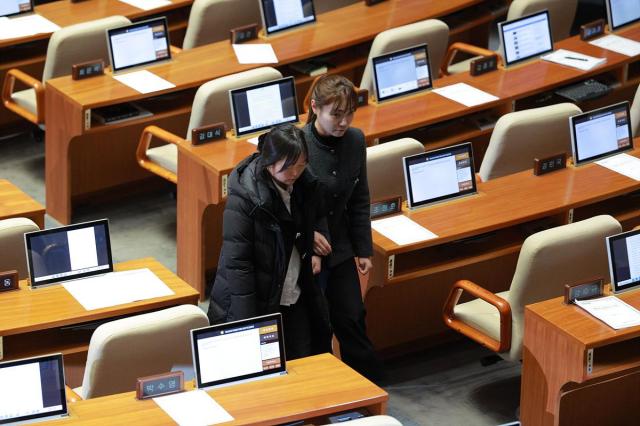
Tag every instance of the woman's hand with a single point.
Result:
(321, 246)
(316, 264)
(364, 265)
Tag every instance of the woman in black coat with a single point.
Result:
(267, 263)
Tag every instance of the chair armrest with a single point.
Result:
(467, 48)
(7, 90)
(503, 307)
(143, 145)
(71, 395)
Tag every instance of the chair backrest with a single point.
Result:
(521, 136)
(211, 20)
(79, 43)
(12, 244)
(122, 350)
(384, 167)
(550, 259)
(432, 31)
(561, 13)
(635, 113)
(327, 5)
(211, 103)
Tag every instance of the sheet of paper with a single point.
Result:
(144, 81)
(194, 408)
(147, 4)
(255, 53)
(612, 311)
(618, 44)
(402, 230)
(574, 59)
(624, 164)
(465, 94)
(117, 288)
(25, 26)
(253, 140)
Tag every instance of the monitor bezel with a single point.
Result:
(503, 50)
(24, 12)
(405, 168)
(266, 28)
(195, 333)
(612, 271)
(395, 53)
(234, 112)
(574, 144)
(31, 418)
(27, 246)
(610, 18)
(152, 21)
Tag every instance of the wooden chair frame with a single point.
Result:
(7, 90)
(143, 145)
(453, 50)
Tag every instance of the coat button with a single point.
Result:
(331, 213)
(333, 151)
(335, 173)
(335, 195)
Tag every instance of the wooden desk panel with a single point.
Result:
(15, 203)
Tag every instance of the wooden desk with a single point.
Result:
(561, 343)
(34, 322)
(15, 203)
(315, 386)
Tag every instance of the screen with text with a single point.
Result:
(14, 7)
(139, 44)
(526, 38)
(282, 14)
(624, 254)
(401, 72)
(623, 12)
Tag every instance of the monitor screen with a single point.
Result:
(15, 7)
(624, 260)
(622, 12)
(279, 15)
(525, 38)
(237, 351)
(68, 252)
(32, 389)
(600, 133)
(142, 43)
(261, 106)
(439, 175)
(401, 72)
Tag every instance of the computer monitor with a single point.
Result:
(248, 349)
(280, 15)
(600, 133)
(68, 252)
(15, 7)
(32, 389)
(525, 38)
(261, 106)
(622, 12)
(624, 261)
(439, 175)
(142, 43)
(401, 72)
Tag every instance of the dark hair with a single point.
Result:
(282, 142)
(332, 88)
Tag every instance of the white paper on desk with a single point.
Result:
(253, 140)
(465, 94)
(146, 4)
(193, 408)
(255, 53)
(574, 59)
(117, 288)
(402, 230)
(618, 44)
(144, 81)
(25, 26)
(612, 311)
(624, 164)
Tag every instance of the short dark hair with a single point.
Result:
(285, 141)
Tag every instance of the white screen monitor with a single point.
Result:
(142, 43)
(68, 252)
(622, 12)
(15, 7)
(238, 351)
(439, 175)
(401, 72)
(280, 15)
(262, 106)
(32, 390)
(624, 261)
(525, 38)
(600, 133)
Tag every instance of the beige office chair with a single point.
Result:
(12, 244)
(327, 5)
(210, 105)
(384, 167)
(373, 421)
(635, 114)
(211, 20)
(548, 260)
(120, 351)
(69, 45)
(520, 137)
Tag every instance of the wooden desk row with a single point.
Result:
(15, 203)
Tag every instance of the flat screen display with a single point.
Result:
(601, 133)
(280, 15)
(622, 12)
(401, 72)
(15, 7)
(525, 38)
(624, 260)
(142, 43)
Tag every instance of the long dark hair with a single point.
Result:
(332, 88)
(282, 142)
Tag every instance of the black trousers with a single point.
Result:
(297, 329)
